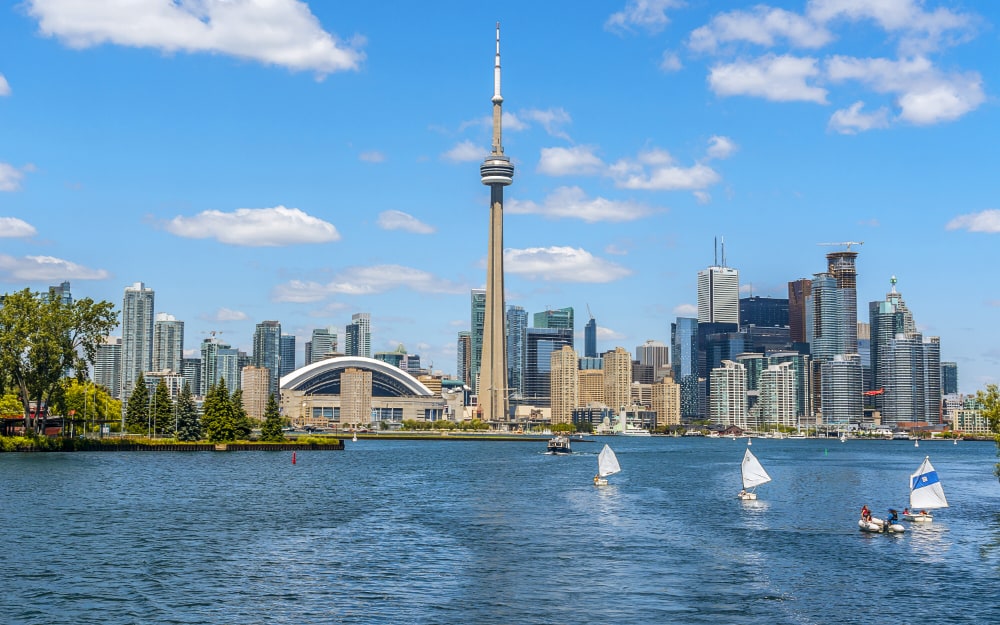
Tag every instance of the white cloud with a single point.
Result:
(650, 15)
(578, 160)
(42, 268)
(226, 314)
(985, 221)
(655, 170)
(255, 227)
(670, 62)
(851, 120)
(372, 156)
(607, 334)
(550, 119)
(721, 147)
(777, 78)
(761, 25)
(561, 264)
(4, 86)
(366, 281)
(572, 202)
(276, 32)
(465, 152)
(10, 177)
(703, 197)
(686, 310)
(398, 220)
(12, 228)
(925, 95)
(919, 30)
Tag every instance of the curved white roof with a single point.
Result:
(302, 376)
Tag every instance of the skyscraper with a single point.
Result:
(463, 365)
(137, 337)
(267, 353)
(517, 342)
(287, 354)
(763, 311)
(108, 365)
(358, 336)
(497, 172)
(728, 399)
(561, 318)
(617, 379)
(655, 354)
(565, 387)
(168, 343)
(542, 342)
(322, 345)
(61, 292)
(477, 319)
(590, 339)
(949, 378)
(684, 356)
(798, 292)
(719, 295)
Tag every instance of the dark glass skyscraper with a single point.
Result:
(267, 352)
(763, 311)
(590, 339)
(684, 358)
(517, 342)
(541, 344)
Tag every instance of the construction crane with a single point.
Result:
(848, 244)
(589, 314)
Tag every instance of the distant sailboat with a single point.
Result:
(753, 476)
(607, 464)
(926, 493)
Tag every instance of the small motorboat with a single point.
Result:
(559, 444)
(882, 526)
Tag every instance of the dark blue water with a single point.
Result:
(489, 532)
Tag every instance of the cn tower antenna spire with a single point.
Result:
(497, 100)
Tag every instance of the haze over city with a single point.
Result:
(304, 162)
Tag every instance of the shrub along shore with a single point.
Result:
(64, 444)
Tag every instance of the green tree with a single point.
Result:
(244, 426)
(137, 417)
(219, 418)
(10, 406)
(270, 431)
(188, 424)
(989, 402)
(41, 339)
(162, 410)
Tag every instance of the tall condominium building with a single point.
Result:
(798, 292)
(777, 396)
(322, 345)
(590, 383)
(617, 379)
(267, 353)
(590, 339)
(219, 361)
(684, 359)
(655, 354)
(191, 371)
(719, 295)
(168, 343)
(763, 311)
(137, 337)
(287, 354)
(666, 402)
(463, 364)
(565, 388)
(949, 378)
(477, 313)
(728, 396)
(801, 365)
(517, 350)
(561, 319)
(840, 391)
(542, 342)
(832, 308)
(108, 365)
(355, 397)
(358, 336)
(256, 389)
(62, 293)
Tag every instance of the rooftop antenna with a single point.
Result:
(715, 242)
(723, 251)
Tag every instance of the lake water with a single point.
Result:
(494, 532)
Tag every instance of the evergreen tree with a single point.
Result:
(162, 410)
(219, 420)
(137, 409)
(270, 431)
(244, 426)
(188, 424)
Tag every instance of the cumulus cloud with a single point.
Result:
(551, 120)
(686, 310)
(366, 281)
(776, 78)
(275, 32)
(372, 156)
(578, 160)
(925, 95)
(670, 62)
(14, 228)
(43, 268)
(10, 176)
(4, 86)
(721, 147)
(607, 334)
(398, 220)
(465, 152)
(656, 170)
(649, 15)
(572, 202)
(226, 314)
(763, 26)
(852, 120)
(985, 221)
(561, 264)
(255, 227)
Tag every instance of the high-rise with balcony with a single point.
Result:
(463, 361)
(617, 379)
(655, 354)
(267, 353)
(477, 318)
(108, 365)
(322, 345)
(168, 343)
(728, 396)
(137, 337)
(358, 336)
(565, 388)
(777, 396)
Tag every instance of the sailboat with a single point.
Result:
(926, 493)
(607, 464)
(753, 476)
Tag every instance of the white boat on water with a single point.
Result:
(926, 493)
(880, 526)
(607, 464)
(753, 476)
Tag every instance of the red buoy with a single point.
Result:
(293, 457)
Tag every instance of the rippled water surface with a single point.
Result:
(493, 532)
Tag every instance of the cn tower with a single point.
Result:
(497, 172)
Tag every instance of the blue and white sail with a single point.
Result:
(925, 488)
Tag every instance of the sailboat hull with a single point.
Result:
(747, 496)
(917, 517)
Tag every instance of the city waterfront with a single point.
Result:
(396, 531)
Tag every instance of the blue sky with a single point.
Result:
(254, 160)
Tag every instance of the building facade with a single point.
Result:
(267, 353)
(565, 389)
(719, 295)
(137, 337)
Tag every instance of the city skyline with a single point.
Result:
(305, 182)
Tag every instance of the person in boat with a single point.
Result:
(866, 514)
(906, 511)
(743, 492)
(893, 518)
(597, 479)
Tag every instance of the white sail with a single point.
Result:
(925, 488)
(607, 462)
(753, 472)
